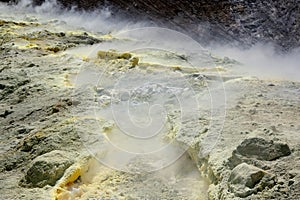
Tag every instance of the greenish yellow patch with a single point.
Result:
(134, 61)
(111, 55)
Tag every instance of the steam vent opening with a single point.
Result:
(140, 125)
(180, 180)
(151, 99)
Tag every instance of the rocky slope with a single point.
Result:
(232, 22)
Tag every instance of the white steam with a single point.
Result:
(263, 61)
(97, 21)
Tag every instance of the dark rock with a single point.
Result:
(262, 149)
(237, 159)
(83, 39)
(291, 182)
(6, 113)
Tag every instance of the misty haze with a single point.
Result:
(195, 100)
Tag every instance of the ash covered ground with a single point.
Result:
(96, 106)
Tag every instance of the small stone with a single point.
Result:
(292, 174)
(280, 181)
(31, 65)
(291, 182)
(260, 95)
(134, 61)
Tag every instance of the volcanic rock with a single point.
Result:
(247, 179)
(262, 149)
(46, 169)
(233, 22)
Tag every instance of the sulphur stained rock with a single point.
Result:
(68, 186)
(247, 179)
(134, 61)
(47, 169)
(111, 55)
(262, 149)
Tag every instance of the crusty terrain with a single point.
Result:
(55, 125)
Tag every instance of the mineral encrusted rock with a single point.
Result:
(47, 169)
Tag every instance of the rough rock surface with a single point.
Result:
(246, 180)
(257, 150)
(262, 149)
(47, 169)
(256, 125)
(241, 22)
